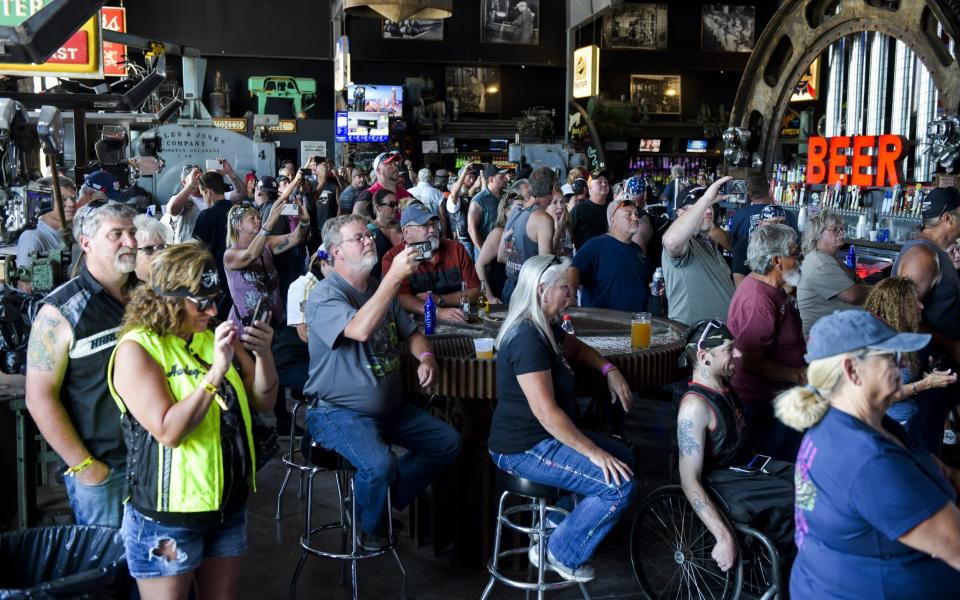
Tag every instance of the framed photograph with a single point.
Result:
(428, 30)
(808, 88)
(656, 94)
(636, 27)
(474, 89)
(510, 22)
(728, 28)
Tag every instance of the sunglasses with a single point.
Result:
(390, 204)
(203, 304)
(713, 324)
(554, 261)
(151, 250)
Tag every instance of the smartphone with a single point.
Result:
(249, 319)
(759, 462)
(213, 164)
(290, 210)
(263, 309)
(424, 250)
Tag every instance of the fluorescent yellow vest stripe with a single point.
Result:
(191, 479)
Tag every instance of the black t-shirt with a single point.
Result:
(211, 229)
(515, 428)
(740, 257)
(588, 220)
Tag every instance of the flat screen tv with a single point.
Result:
(696, 145)
(362, 127)
(649, 145)
(375, 98)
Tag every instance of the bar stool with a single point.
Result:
(541, 497)
(290, 457)
(324, 460)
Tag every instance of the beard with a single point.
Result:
(365, 264)
(792, 278)
(125, 261)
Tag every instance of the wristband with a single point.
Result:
(914, 388)
(263, 232)
(77, 468)
(605, 369)
(212, 390)
(423, 354)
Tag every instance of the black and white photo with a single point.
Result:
(656, 94)
(636, 26)
(428, 30)
(510, 22)
(474, 89)
(728, 28)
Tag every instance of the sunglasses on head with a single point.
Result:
(713, 324)
(554, 261)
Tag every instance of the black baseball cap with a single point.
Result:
(579, 184)
(690, 194)
(491, 170)
(939, 201)
(705, 335)
(268, 184)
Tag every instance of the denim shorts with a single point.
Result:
(142, 535)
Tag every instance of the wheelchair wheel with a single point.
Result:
(759, 562)
(670, 551)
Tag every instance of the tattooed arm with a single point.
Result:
(47, 357)
(692, 422)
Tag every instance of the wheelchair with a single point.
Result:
(670, 552)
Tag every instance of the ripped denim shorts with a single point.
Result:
(156, 550)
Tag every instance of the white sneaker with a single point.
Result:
(949, 437)
(582, 574)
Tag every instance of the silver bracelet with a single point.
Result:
(263, 232)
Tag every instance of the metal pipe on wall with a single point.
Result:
(856, 84)
(877, 92)
(837, 65)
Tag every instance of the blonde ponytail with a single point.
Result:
(802, 407)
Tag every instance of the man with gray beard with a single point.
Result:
(766, 325)
(72, 337)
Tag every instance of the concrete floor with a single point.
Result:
(274, 551)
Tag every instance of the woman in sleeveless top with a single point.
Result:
(453, 219)
(248, 261)
(491, 271)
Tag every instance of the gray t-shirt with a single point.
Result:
(698, 283)
(41, 240)
(362, 376)
(823, 277)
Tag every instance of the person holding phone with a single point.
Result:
(713, 448)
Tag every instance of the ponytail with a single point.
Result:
(802, 407)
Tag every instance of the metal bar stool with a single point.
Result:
(322, 459)
(289, 458)
(541, 497)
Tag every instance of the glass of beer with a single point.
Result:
(640, 331)
(483, 347)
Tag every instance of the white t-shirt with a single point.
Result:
(297, 296)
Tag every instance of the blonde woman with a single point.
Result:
(875, 516)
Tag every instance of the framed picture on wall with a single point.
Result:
(656, 94)
(808, 88)
(728, 28)
(636, 27)
(428, 30)
(474, 89)
(510, 22)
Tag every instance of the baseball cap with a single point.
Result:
(705, 335)
(599, 173)
(567, 189)
(849, 330)
(416, 213)
(579, 184)
(615, 204)
(690, 194)
(268, 184)
(441, 174)
(491, 170)
(939, 201)
(385, 158)
(772, 211)
(103, 181)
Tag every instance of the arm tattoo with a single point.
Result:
(41, 349)
(698, 504)
(685, 440)
(282, 245)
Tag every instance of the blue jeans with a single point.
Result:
(100, 504)
(602, 504)
(365, 441)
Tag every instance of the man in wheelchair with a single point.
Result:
(719, 474)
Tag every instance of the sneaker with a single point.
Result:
(582, 574)
(372, 542)
(949, 437)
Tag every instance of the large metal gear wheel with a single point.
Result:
(802, 30)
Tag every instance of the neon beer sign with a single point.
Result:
(861, 160)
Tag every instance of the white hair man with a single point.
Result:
(426, 193)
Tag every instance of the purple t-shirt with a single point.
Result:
(764, 319)
(258, 280)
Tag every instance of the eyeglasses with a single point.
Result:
(359, 238)
(151, 250)
(390, 204)
(896, 356)
(713, 324)
(204, 303)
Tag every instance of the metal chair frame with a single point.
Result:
(289, 459)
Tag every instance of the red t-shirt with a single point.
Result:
(401, 191)
(444, 276)
(764, 319)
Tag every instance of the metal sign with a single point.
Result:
(285, 126)
(869, 160)
(586, 72)
(78, 58)
(308, 149)
(114, 18)
(231, 124)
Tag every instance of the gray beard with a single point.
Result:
(792, 278)
(365, 265)
(125, 263)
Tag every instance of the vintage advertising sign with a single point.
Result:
(861, 160)
(114, 18)
(586, 72)
(78, 58)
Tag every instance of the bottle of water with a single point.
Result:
(567, 325)
(429, 315)
(656, 287)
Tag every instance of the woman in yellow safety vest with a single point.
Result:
(185, 391)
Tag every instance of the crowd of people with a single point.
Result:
(146, 369)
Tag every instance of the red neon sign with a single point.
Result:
(828, 160)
